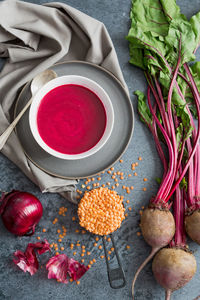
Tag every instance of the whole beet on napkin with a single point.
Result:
(33, 38)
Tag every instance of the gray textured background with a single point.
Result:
(15, 284)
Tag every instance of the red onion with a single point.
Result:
(20, 212)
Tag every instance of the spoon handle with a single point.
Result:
(116, 275)
(8, 131)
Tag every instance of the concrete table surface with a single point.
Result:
(14, 284)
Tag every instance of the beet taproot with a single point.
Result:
(158, 229)
(173, 268)
(192, 226)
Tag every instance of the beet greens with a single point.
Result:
(163, 43)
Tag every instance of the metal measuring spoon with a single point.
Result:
(116, 276)
(37, 83)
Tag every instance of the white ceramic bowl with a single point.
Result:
(78, 80)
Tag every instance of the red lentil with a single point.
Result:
(95, 210)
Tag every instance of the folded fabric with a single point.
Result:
(33, 38)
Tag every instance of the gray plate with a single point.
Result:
(109, 153)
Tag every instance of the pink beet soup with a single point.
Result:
(71, 119)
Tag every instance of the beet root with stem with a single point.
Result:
(158, 228)
(173, 268)
(192, 226)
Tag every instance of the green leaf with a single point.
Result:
(171, 10)
(195, 23)
(158, 180)
(184, 184)
(179, 136)
(136, 56)
(149, 26)
(181, 112)
(143, 109)
(181, 31)
(149, 15)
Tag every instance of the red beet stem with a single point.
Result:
(196, 96)
(179, 213)
(170, 149)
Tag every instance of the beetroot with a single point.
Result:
(173, 268)
(192, 226)
(158, 228)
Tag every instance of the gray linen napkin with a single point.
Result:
(33, 38)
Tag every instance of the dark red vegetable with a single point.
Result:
(27, 261)
(20, 212)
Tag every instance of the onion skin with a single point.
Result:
(20, 212)
(173, 268)
(192, 226)
(157, 226)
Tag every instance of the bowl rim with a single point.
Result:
(56, 82)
